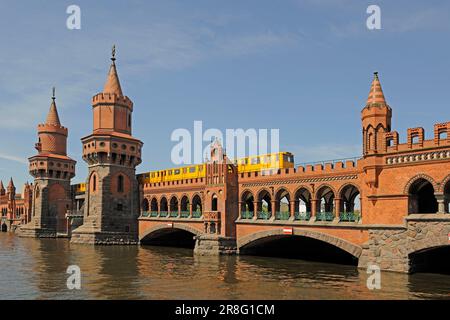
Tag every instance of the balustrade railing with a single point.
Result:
(302, 216)
(324, 216)
(173, 214)
(282, 215)
(264, 215)
(247, 214)
(349, 216)
(163, 214)
(145, 213)
(153, 213)
(196, 214)
(185, 214)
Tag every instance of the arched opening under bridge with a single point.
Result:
(431, 260)
(303, 248)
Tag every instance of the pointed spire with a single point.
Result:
(52, 117)
(11, 183)
(2, 188)
(112, 84)
(376, 95)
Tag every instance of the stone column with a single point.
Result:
(190, 210)
(292, 209)
(255, 210)
(313, 208)
(179, 209)
(337, 208)
(274, 209)
(441, 202)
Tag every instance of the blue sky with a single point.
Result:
(304, 67)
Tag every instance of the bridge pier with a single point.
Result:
(211, 245)
(392, 248)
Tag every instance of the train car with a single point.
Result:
(267, 162)
(79, 188)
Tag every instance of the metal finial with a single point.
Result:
(376, 74)
(113, 53)
(53, 93)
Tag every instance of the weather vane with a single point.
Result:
(53, 93)
(113, 53)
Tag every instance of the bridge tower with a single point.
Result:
(376, 122)
(112, 192)
(376, 119)
(52, 170)
(220, 205)
(11, 196)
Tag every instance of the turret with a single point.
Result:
(376, 118)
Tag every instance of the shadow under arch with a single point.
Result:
(303, 244)
(434, 259)
(181, 236)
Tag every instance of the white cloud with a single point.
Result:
(13, 158)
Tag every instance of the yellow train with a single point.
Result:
(80, 188)
(266, 162)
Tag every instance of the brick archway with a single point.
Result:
(342, 244)
(162, 227)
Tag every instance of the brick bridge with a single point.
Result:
(389, 207)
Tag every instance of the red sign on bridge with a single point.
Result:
(288, 231)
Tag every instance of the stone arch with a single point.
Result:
(184, 203)
(302, 187)
(342, 244)
(417, 177)
(197, 203)
(173, 204)
(244, 193)
(4, 227)
(214, 202)
(162, 227)
(145, 205)
(349, 193)
(283, 198)
(93, 182)
(163, 204)
(154, 204)
(443, 184)
(322, 186)
(421, 191)
(260, 191)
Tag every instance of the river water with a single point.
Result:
(36, 269)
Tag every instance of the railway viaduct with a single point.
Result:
(389, 207)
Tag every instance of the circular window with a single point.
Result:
(124, 147)
(59, 165)
(114, 145)
(133, 148)
(51, 164)
(102, 144)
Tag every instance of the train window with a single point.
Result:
(278, 157)
(177, 171)
(200, 168)
(255, 161)
(184, 170)
(192, 169)
(169, 172)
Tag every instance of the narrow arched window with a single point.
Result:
(94, 183)
(120, 183)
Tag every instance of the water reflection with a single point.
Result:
(36, 269)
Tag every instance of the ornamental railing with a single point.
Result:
(173, 214)
(349, 216)
(264, 215)
(163, 214)
(196, 214)
(247, 214)
(324, 216)
(145, 213)
(185, 214)
(302, 216)
(153, 213)
(282, 215)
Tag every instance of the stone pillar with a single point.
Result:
(255, 210)
(337, 208)
(274, 209)
(292, 209)
(441, 202)
(190, 210)
(240, 210)
(313, 208)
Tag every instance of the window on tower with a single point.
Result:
(120, 183)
